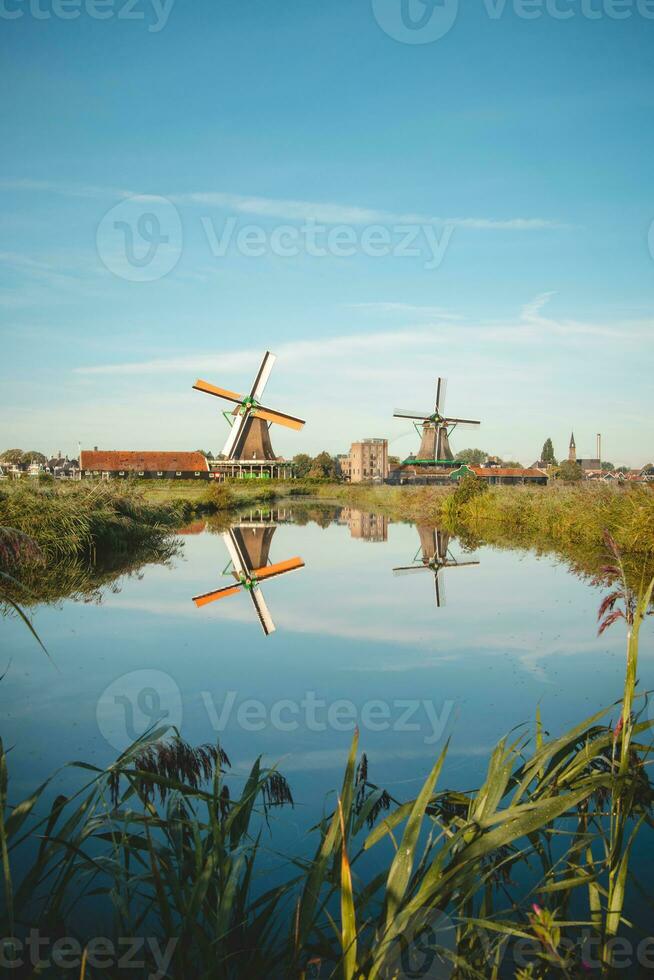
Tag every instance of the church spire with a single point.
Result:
(572, 451)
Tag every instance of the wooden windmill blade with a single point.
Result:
(263, 374)
(236, 433)
(441, 392)
(207, 597)
(450, 421)
(262, 610)
(209, 389)
(405, 413)
(280, 568)
(281, 418)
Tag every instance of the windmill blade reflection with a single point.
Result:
(248, 546)
(291, 565)
(207, 597)
(439, 582)
(263, 613)
(409, 569)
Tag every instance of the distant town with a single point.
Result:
(368, 461)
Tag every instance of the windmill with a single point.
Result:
(248, 547)
(249, 438)
(433, 555)
(436, 430)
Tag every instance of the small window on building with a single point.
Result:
(141, 473)
(197, 473)
(121, 473)
(159, 473)
(178, 473)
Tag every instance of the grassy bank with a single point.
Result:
(85, 520)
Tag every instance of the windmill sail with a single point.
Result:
(249, 438)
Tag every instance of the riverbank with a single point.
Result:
(86, 520)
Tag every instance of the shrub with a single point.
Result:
(469, 487)
(220, 495)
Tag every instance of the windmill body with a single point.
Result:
(248, 548)
(250, 420)
(435, 429)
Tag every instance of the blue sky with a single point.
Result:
(512, 158)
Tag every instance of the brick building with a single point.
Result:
(367, 461)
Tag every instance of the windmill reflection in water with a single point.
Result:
(248, 545)
(434, 555)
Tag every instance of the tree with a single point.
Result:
(473, 456)
(569, 472)
(323, 467)
(393, 460)
(547, 452)
(608, 467)
(625, 469)
(12, 456)
(31, 456)
(302, 463)
(513, 464)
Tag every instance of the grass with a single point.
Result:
(539, 852)
(85, 520)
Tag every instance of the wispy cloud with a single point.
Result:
(407, 309)
(349, 214)
(344, 353)
(288, 209)
(531, 314)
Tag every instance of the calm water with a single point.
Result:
(354, 643)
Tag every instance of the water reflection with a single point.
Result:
(363, 525)
(433, 555)
(248, 546)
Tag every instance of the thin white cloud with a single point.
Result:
(342, 214)
(324, 212)
(344, 353)
(407, 309)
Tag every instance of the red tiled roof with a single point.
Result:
(117, 461)
(506, 471)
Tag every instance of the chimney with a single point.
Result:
(95, 449)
